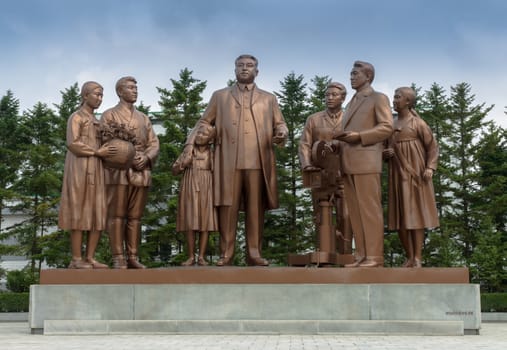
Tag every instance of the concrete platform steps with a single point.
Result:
(376, 327)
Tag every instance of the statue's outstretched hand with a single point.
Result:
(349, 137)
(311, 168)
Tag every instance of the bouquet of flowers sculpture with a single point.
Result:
(124, 139)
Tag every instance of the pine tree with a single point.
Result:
(71, 101)
(9, 154)
(317, 99)
(441, 248)
(39, 184)
(285, 228)
(10, 161)
(492, 161)
(182, 106)
(463, 126)
(488, 266)
(434, 109)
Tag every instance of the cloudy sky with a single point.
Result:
(47, 45)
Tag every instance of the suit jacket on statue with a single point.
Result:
(223, 111)
(318, 127)
(371, 116)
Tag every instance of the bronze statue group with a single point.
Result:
(228, 165)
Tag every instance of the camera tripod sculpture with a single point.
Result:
(333, 239)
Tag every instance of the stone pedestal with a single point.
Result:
(259, 304)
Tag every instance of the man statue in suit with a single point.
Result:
(248, 124)
(367, 122)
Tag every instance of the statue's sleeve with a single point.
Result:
(305, 145)
(429, 143)
(74, 135)
(152, 143)
(279, 123)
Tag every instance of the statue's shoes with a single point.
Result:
(371, 263)
(355, 263)
(79, 264)
(408, 263)
(417, 263)
(133, 263)
(224, 262)
(188, 262)
(97, 265)
(202, 262)
(258, 261)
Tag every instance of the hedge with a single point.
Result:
(18, 302)
(14, 302)
(494, 302)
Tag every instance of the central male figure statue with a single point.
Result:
(248, 124)
(367, 122)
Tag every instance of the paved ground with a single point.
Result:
(16, 336)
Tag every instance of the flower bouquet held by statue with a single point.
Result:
(124, 139)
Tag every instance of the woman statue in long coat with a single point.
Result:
(83, 199)
(413, 158)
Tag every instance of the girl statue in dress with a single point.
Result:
(196, 212)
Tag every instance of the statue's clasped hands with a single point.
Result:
(140, 161)
(388, 153)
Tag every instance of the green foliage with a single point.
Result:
(19, 281)
(465, 122)
(441, 250)
(285, 228)
(10, 159)
(459, 126)
(71, 101)
(143, 108)
(488, 264)
(394, 254)
(434, 108)
(492, 177)
(39, 183)
(182, 106)
(317, 98)
(14, 302)
(494, 302)
(55, 248)
(9, 140)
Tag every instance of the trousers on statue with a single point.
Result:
(125, 208)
